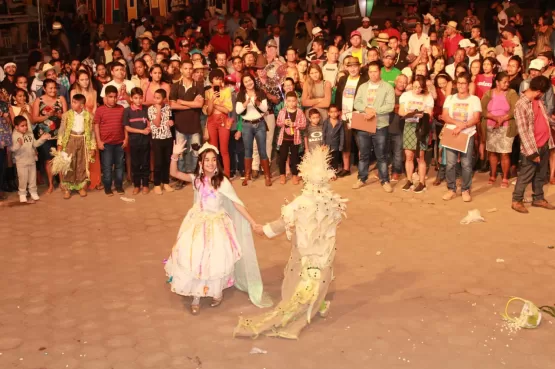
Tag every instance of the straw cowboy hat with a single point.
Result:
(146, 34)
(382, 37)
(45, 68)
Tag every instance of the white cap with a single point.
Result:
(465, 43)
(56, 25)
(316, 30)
(366, 19)
(536, 64)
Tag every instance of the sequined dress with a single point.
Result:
(203, 259)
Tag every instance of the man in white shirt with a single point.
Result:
(123, 45)
(458, 58)
(418, 39)
(331, 68)
(123, 85)
(366, 32)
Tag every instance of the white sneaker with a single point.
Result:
(358, 184)
(387, 187)
(22, 198)
(35, 196)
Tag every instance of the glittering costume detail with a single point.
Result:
(310, 222)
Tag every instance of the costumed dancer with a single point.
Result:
(214, 249)
(310, 222)
(76, 138)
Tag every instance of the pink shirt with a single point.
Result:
(451, 44)
(541, 131)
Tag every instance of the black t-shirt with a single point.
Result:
(136, 119)
(489, 23)
(288, 135)
(186, 121)
(515, 83)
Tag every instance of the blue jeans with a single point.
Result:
(365, 141)
(396, 152)
(188, 160)
(466, 163)
(112, 155)
(256, 132)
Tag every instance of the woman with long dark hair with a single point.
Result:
(47, 115)
(155, 83)
(499, 126)
(252, 105)
(219, 222)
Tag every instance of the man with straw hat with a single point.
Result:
(451, 39)
(51, 72)
(146, 41)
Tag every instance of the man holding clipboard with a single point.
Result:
(375, 99)
(461, 113)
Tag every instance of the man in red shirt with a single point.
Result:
(535, 142)
(392, 32)
(111, 139)
(221, 41)
(451, 39)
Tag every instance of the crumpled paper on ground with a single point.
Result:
(472, 217)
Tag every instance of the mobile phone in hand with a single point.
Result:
(216, 88)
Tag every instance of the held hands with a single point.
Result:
(237, 135)
(45, 136)
(178, 147)
(258, 229)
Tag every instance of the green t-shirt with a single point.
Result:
(390, 76)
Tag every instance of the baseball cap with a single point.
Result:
(508, 43)
(465, 43)
(389, 53)
(536, 64)
(365, 19)
(271, 43)
(355, 33)
(220, 25)
(316, 30)
(163, 45)
(184, 42)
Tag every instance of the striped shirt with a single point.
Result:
(525, 120)
(110, 122)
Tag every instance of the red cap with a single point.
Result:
(220, 25)
(508, 43)
(355, 33)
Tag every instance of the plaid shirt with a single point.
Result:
(524, 116)
(298, 124)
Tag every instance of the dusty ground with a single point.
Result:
(83, 285)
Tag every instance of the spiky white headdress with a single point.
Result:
(315, 168)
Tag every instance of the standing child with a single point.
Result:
(159, 116)
(25, 156)
(111, 139)
(135, 120)
(334, 136)
(314, 137)
(76, 138)
(291, 120)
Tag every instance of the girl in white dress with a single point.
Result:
(214, 249)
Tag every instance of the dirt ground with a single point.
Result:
(83, 285)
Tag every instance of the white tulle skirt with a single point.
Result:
(203, 258)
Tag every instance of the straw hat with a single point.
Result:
(382, 37)
(146, 34)
(452, 24)
(45, 69)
